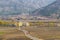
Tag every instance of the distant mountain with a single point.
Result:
(21, 6)
(52, 10)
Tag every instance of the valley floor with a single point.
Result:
(46, 33)
(12, 34)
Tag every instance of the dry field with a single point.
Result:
(47, 33)
(12, 34)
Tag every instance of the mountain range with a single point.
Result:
(21, 6)
(52, 10)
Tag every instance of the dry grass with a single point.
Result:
(12, 34)
(45, 32)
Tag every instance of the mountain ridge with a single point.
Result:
(52, 10)
(19, 6)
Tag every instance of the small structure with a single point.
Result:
(27, 24)
(20, 24)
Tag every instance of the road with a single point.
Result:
(28, 35)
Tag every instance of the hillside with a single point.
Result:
(21, 6)
(52, 10)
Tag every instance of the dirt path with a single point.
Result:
(27, 34)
